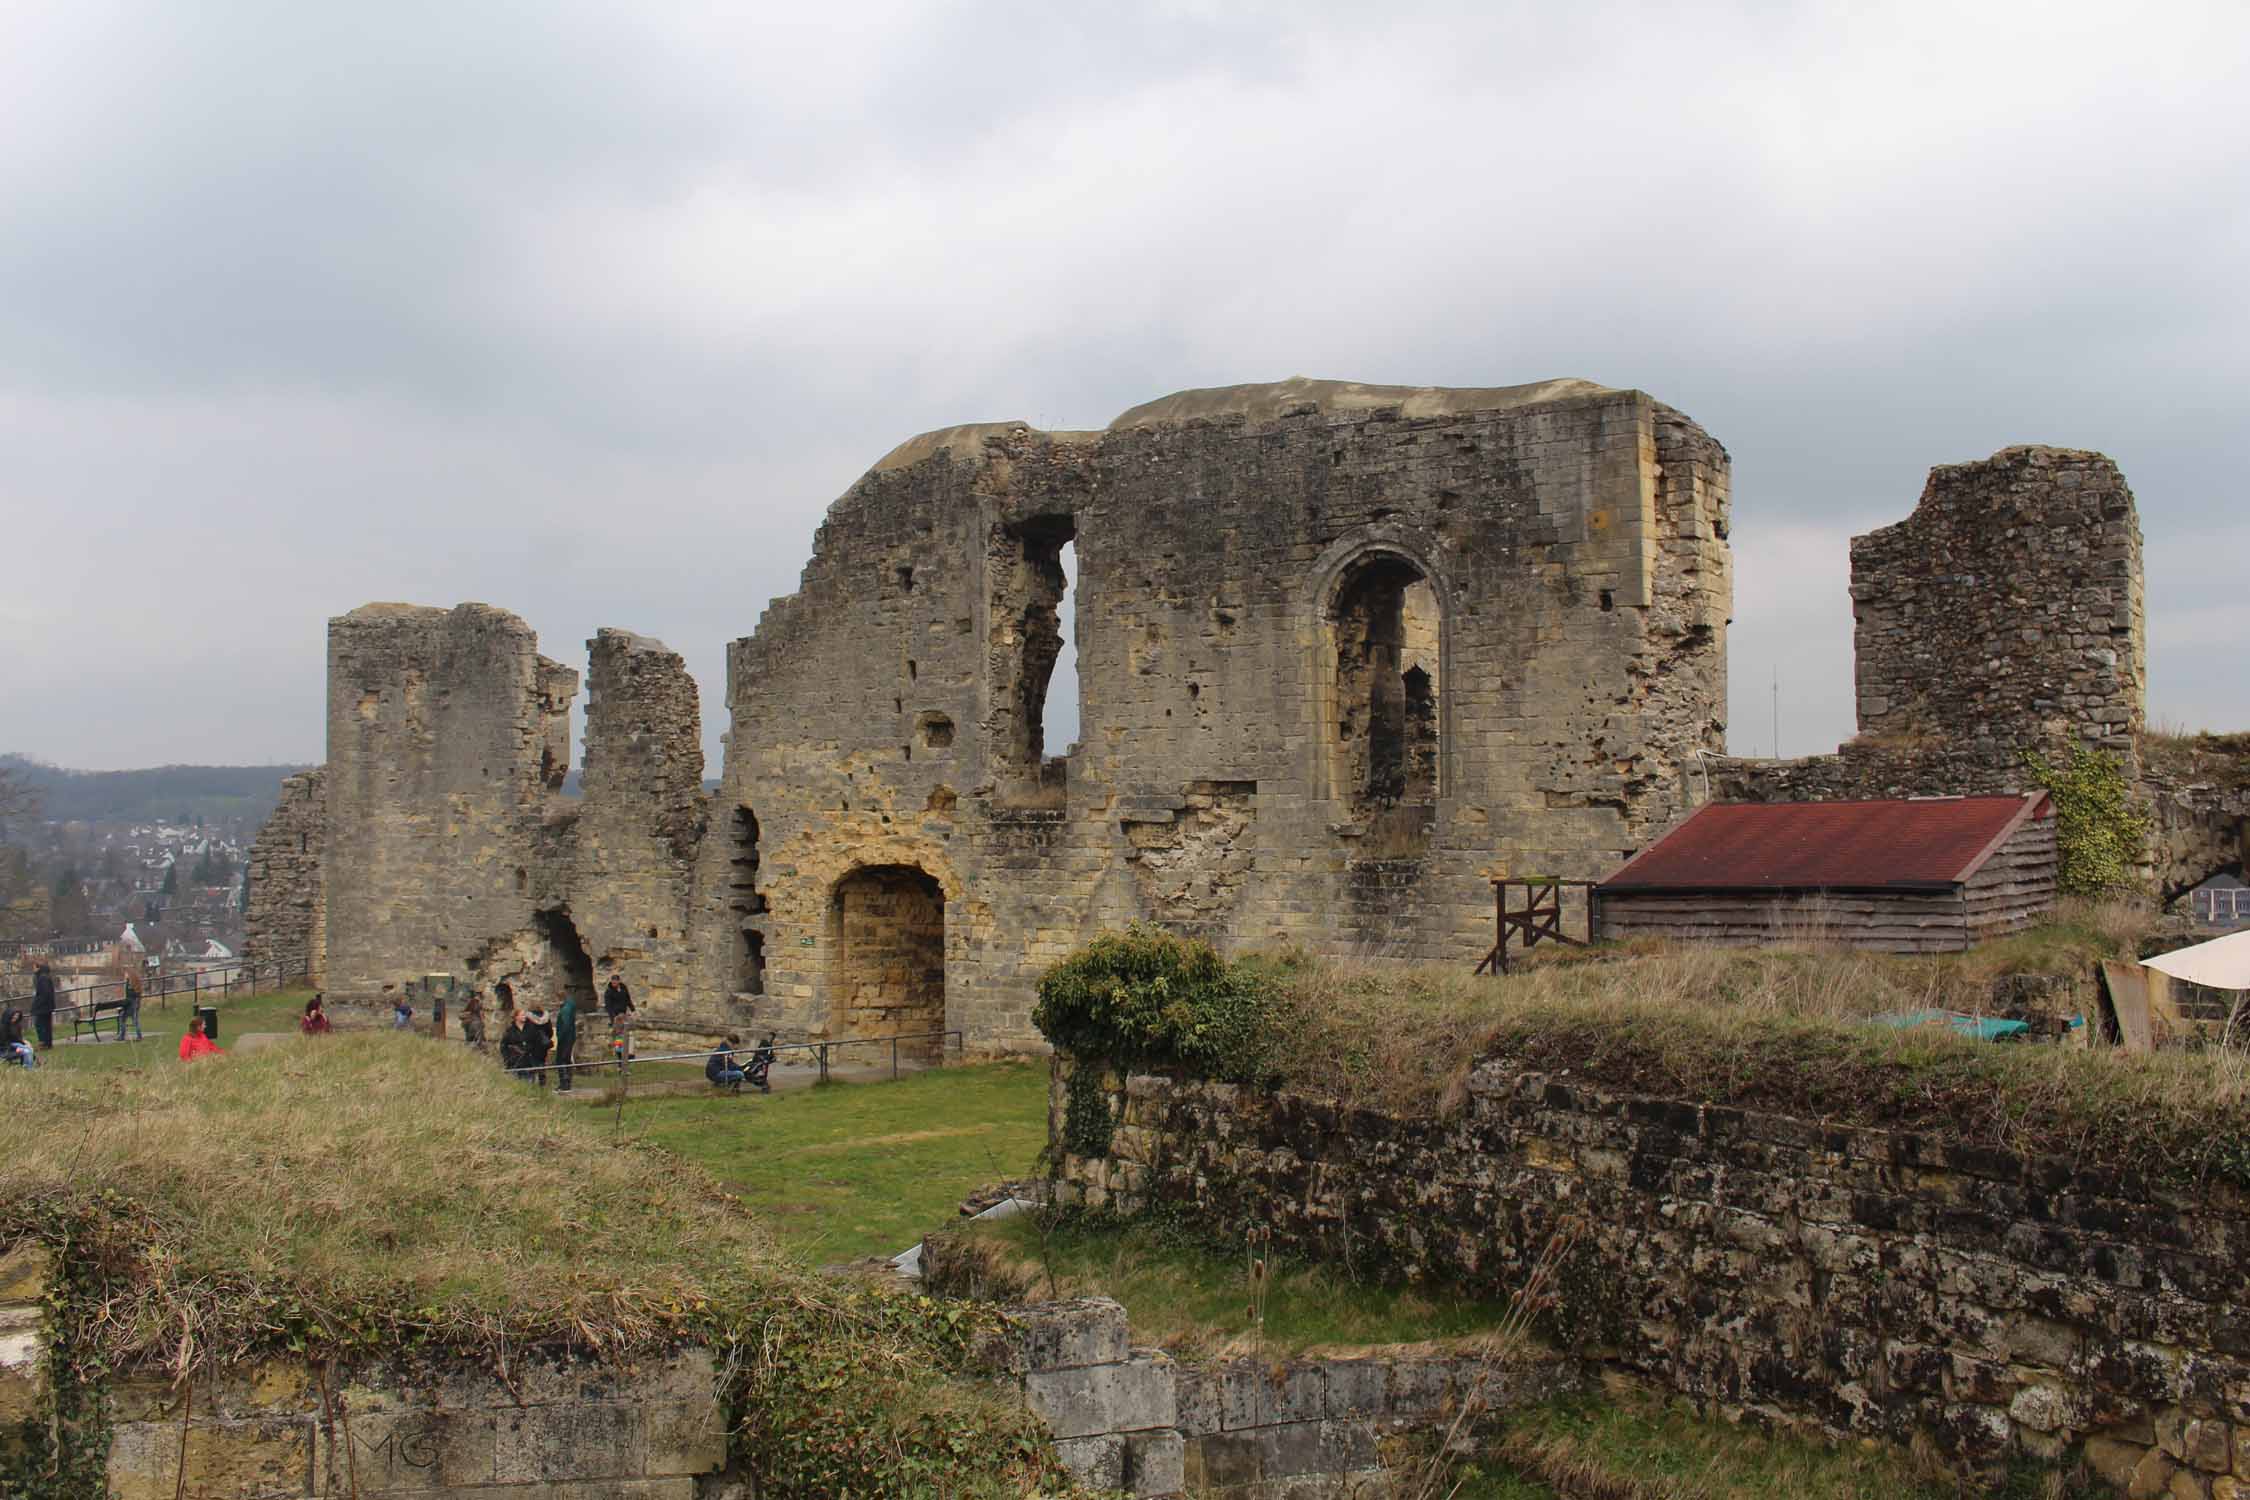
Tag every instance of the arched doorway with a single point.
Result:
(887, 976)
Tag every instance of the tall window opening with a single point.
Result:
(745, 904)
(1030, 582)
(1385, 630)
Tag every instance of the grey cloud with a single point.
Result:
(589, 311)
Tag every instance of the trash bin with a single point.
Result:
(210, 1015)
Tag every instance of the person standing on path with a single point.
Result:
(131, 1012)
(618, 1002)
(43, 1007)
(566, 1038)
(472, 1020)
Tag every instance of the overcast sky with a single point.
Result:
(589, 310)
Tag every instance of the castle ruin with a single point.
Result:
(1344, 653)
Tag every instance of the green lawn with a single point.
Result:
(1195, 1300)
(856, 1169)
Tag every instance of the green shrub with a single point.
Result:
(2099, 834)
(1144, 998)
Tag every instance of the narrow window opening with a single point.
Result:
(906, 580)
(753, 961)
(1385, 630)
(1032, 633)
(1609, 601)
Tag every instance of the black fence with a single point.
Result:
(210, 981)
(881, 1047)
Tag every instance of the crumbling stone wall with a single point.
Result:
(448, 736)
(1871, 1282)
(2006, 612)
(1342, 651)
(285, 919)
(641, 820)
(1259, 571)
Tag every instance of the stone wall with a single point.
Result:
(448, 734)
(426, 1430)
(286, 916)
(1246, 1428)
(2006, 612)
(1870, 1282)
(1340, 650)
(641, 821)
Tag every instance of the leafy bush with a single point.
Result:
(1144, 998)
(2099, 834)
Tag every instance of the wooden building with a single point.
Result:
(1922, 875)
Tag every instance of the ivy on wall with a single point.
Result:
(2100, 834)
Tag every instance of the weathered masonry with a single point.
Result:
(1343, 652)
(1341, 648)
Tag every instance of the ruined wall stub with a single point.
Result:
(641, 821)
(1258, 569)
(448, 734)
(2006, 612)
(285, 918)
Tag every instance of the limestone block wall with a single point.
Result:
(286, 915)
(447, 734)
(1308, 1428)
(1871, 1282)
(641, 820)
(2007, 610)
(1569, 542)
(424, 1430)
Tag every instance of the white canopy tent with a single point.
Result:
(2223, 963)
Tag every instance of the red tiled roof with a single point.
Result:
(1913, 845)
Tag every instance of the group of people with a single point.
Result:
(17, 1029)
(756, 1069)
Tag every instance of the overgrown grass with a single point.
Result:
(1775, 1030)
(1198, 1301)
(1636, 1447)
(311, 1189)
(853, 1170)
(1780, 1029)
(373, 1194)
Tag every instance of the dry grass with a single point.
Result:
(1780, 1029)
(366, 1190)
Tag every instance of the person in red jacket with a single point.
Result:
(314, 1022)
(195, 1044)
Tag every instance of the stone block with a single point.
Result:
(147, 1460)
(2209, 1445)
(1129, 1397)
(1155, 1463)
(1098, 1462)
(686, 1437)
(1355, 1388)
(583, 1441)
(407, 1450)
(1288, 1449)
(1065, 1335)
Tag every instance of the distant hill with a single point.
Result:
(212, 793)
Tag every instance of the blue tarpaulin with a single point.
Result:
(1983, 1028)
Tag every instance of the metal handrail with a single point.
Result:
(819, 1049)
(195, 984)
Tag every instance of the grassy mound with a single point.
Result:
(1781, 1030)
(366, 1194)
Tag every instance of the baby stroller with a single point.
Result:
(758, 1065)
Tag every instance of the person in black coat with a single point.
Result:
(43, 1007)
(538, 1041)
(511, 1042)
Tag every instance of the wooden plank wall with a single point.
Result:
(2016, 887)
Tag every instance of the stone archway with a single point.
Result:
(887, 974)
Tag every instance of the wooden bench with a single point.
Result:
(87, 1017)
